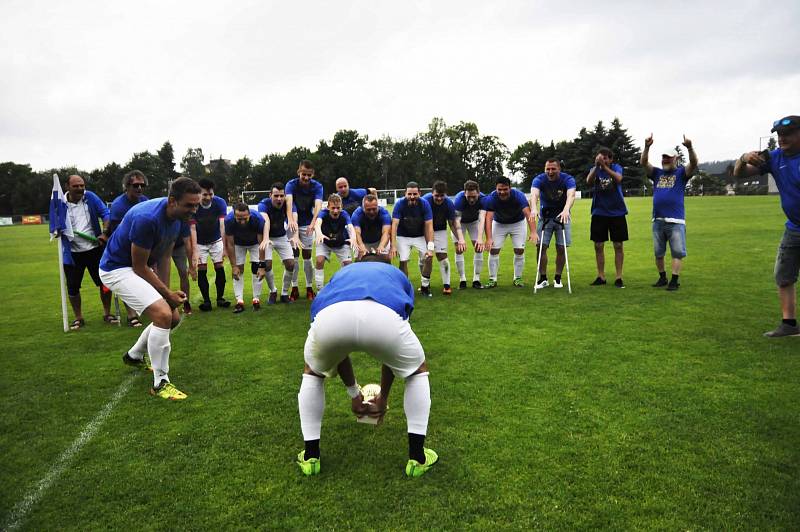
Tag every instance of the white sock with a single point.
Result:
(238, 288)
(426, 281)
(295, 272)
(287, 280)
(308, 270)
(140, 347)
(257, 284)
(270, 277)
(159, 348)
(477, 265)
(417, 403)
(494, 265)
(311, 402)
(462, 272)
(319, 278)
(519, 264)
(444, 268)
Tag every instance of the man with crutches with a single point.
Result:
(553, 194)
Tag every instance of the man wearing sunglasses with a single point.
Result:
(784, 165)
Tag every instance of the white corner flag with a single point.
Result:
(61, 228)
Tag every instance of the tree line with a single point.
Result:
(452, 153)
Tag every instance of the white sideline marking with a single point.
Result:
(32, 497)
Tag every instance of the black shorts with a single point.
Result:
(603, 226)
(82, 261)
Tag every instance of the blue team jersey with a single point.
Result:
(247, 234)
(412, 218)
(607, 198)
(786, 171)
(304, 199)
(353, 200)
(469, 213)
(371, 229)
(441, 213)
(668, 192)
(121, 205)
(552, 194)
(277, 217)
(382, 283)
(510, 210)
(147, 226)
(335, 230)
(206, 219)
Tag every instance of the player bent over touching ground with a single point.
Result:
(144, 238)
(365, 307)
(244, 232)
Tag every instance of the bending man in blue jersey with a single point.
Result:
(365, 307)
(145, 238)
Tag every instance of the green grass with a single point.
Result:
(607, 408)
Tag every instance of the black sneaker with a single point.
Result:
(286, 299)
(619, 284)
(224, 303)
(673, 285)
(462, 285)
(477, 284)
(239, 308)
(425, 291)
(597, 282)
(205, 306)
(140, 363)
(662, 281)
(783, 330)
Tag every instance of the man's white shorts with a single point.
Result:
(473, 229)
(440, 241)
(210, 250)
(137, 293)
(405, 243)
(241, 251)
(306, 240)
(343, 253)
(282, 246)
(365, 325)
(518, 232)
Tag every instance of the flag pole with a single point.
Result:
(63, 284)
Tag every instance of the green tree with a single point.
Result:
(167, 173)
(150, 165)
(12, 177)
(193, 164)
(107, 181)
(240, 177)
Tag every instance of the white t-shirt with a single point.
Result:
(79, 217)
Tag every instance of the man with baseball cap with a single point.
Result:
(784, 165)
(669, 215)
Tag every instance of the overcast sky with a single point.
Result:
(87, 83)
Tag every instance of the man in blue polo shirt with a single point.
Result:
(143, 240)
(669, 214)
(444, 214)
(276, 219)
(244, 231)
(471, 216)
(351, 197)
(412, 227)
(555, 191)
(784, 165)
(373, 226)
(507, 212)
(608, 214)
(305, 194)
(365, 307)
(208, 230)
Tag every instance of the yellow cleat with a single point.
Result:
(166, 390)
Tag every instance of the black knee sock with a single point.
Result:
(416, 443)
(219, 281)
(790, 322)
(674, 279)
(312, 449)
(202, 284)
(662, 275)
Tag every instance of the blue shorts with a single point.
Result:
(673, 233)
(554, 227)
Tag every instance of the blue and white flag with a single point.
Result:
(59, 220)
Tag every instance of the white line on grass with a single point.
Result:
(22, 508)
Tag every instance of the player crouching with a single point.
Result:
(334, 230)
(244, 232)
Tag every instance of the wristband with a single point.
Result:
(262, 264)
(353, 390)
(431, 246)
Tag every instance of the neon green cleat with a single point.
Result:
(308, 467)
(491, 284)
(518, 282)
(166, 390)
(415, 469)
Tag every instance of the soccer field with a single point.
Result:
(606, 408)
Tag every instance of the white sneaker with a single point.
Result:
(558, 284)
(542, 284)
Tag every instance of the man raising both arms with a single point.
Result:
(305, 194)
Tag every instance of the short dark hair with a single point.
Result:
(606, 151)
(305, 163)
(502, 180)
(376, 257)
(553, 160)
(440, 187)
(277, 184)
(370, 197)
(183, 186)
(412, 184)
(335, 199)
(471, 185)
(206, 183)
(241, 206)
(126, 181)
